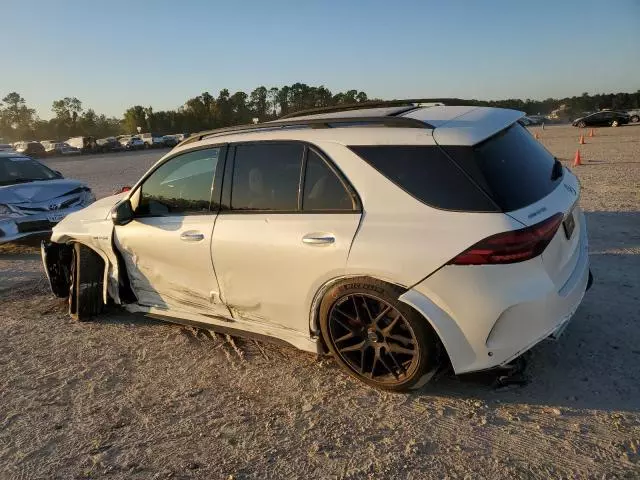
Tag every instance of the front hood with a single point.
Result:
(97, 211)
(39, 191)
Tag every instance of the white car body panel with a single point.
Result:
(487, 315)
(167, 269)
(268, 274)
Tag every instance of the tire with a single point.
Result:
(615, 123)
(582, 124)
(86, 283)
(635, 119)
(377, 338)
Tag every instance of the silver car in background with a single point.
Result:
(33, 198)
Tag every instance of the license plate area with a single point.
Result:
(569, 225)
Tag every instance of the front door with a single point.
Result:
(167, 247)
(288, 227)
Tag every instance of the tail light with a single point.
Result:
(511, 247)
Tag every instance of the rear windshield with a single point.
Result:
(426, 173)
(512, 167)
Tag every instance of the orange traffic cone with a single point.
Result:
(576, 161)
(536, 136)
(591, 134)
(581, 142)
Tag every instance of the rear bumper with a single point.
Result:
(488, 315)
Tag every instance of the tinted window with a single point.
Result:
(266, 176)
(428, 174)
(323, 190)
(514, 168)
(180, 186)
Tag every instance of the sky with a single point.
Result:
(118, 53)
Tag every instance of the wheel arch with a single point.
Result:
(107, 266)
(405, 297)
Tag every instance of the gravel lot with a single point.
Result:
(126, 397)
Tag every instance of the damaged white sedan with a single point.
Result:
(33, 198)
(400, 238)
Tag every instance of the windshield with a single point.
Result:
(23, 169)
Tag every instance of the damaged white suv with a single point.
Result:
(399, 238)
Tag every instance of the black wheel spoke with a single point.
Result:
(346, 336)
(348, 317)
(387, 330)
(362, 352)
(384, 311)
(355, 308)
(353, 348)
(376, 357)
(344, 325)
(366, 309)
(384, 364)
(395, 361)
(401, 339)
(398, 349)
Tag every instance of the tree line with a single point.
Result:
(19, 122)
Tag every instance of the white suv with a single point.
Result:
(401, 239)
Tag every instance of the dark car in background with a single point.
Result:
(33, 198)
(170, 141)
(606, 118)
(109, 144)
(33, 149)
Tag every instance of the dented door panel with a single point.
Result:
(270, 266)
(169, 263)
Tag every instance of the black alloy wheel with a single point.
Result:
(373, 338)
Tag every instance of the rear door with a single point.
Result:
(287, 227)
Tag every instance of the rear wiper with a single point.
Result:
(556, 171)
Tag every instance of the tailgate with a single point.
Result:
(562, 254)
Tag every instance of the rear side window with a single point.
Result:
(426, 172)
(323, 190)
(266, 176)
(513, 167)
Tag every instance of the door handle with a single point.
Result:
(191, 236)
(319, 239)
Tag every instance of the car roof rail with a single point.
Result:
(336, 122)
(410, 103)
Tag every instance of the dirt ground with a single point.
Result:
(126, 397)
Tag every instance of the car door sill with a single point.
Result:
(241, 328)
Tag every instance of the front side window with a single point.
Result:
(323, 190)
(266, 176)
(181, 186)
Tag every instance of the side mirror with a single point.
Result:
(122, 213)
(58, 173)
